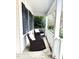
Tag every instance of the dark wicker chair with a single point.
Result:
(38, 44)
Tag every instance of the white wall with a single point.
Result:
(20, 41)
(19, 32)
(18, 50)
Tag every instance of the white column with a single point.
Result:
(18, 46)
(61, 49)
(57, 41)
(56, 48)
(46, 27)
(58, 15)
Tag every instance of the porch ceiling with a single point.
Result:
(39, 7)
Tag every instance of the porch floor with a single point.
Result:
(43, 54)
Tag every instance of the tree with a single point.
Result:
(38, 23)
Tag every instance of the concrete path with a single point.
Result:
(44, 54)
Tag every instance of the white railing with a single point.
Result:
(56, 48)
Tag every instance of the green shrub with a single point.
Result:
(38, 23)
(51, 27)
(61, 33)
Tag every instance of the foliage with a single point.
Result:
(61, 33)
(38, 23)
(51, 27)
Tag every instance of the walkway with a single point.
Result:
(44, 54)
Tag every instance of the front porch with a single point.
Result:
(43, 54)
(25, 23)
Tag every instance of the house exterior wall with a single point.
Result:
(19, 30)
(27, 19)
(21, 26)
(18, 50)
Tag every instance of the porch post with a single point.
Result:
(46, 23)
(58, 15)
(57, 41)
